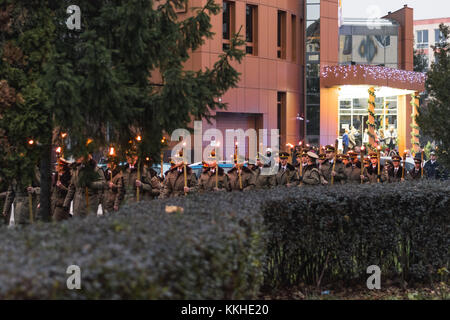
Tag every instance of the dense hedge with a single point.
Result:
(228, 245)
(334, 234)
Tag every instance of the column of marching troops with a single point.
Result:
(118, 186)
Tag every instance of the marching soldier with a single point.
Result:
(131, 181)
(416, 172)
(395, 172)
(286, 172)
(372, 170)
(18, 194)
(241, 178)
(353, 170)
(326, 168)
(311, 174)
(264, 175)
(113, 196)
(175, 184)
(86, 187)
(210, 180)
(60, 188)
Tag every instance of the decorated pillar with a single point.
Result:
(415, 143)
(371, 120)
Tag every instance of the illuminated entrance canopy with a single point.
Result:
(360, 91)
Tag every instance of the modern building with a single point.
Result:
(307, 71)
(270, 93)
(427, 34)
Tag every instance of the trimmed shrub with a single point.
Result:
(334, 233)
(228, 245)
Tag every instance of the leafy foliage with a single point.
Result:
(433, 118)
(233, 245)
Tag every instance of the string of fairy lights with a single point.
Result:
(373, 72)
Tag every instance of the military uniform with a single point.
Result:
(92, 176)
(19, 196)
(113, 196)
(327, 167)
(372, 171)
(247, 177)
(174, 183)
(310, 174)
(395, 174)
(130, 175)
(353, 170)
(415, 173)
(207, 180)
(153, 179)
(59, 192)
(286, 174)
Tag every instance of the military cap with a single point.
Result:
(418, 158)
(373, 155)
(284, 155)
(396, 158)
(344, 156)
(353, 154)
(312, 155)
(432, 153)
(330, 148)
(322, 156)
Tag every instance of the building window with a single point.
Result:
(281, 35)
(438, 36)
(353, 116)
(281, 117)
(228, 23)
(422, 39)
(251, 31)
(294, 37)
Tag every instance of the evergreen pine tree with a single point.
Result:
(434, 118)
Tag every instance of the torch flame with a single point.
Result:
(31, 142)
(138, 138)
(111, 151)
(58, 150)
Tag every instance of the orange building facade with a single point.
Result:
(270, 91)
(303, 65)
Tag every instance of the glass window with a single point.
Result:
(226, 20)
(313, 12)
(438, 36)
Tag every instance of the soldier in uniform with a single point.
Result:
(395, 172)
(286, 172)
(264, 175)
(311, 174)
(153, 179)
(174, 184)
(18, 194)
(241, 178)
(353, 170)
(113, 196)
(131, 181)
(372, 170)
(86, 186)
(416, 172)
(60, 188)
(326, 169)
(209, 178)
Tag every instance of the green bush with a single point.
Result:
(228, 245)
(334, 234)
